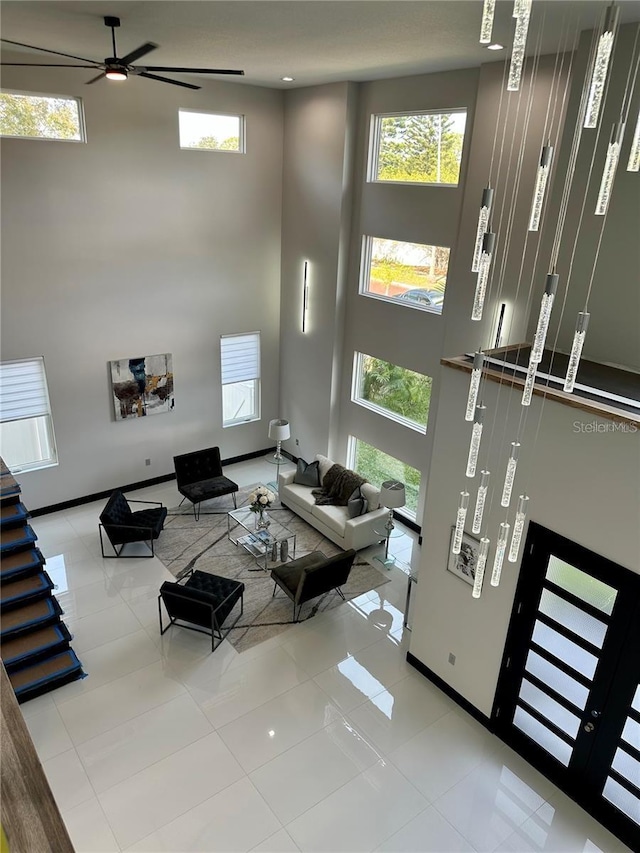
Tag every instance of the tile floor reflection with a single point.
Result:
(323, 738)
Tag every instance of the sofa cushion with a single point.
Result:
(307, 473)
(300, 495)
(324, 464)
(335, 517)
(372, 495)
(357, 504)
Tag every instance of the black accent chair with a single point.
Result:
(311, 576)
(199, 477)
(202, 604)
(122, 525)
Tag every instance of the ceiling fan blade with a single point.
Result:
(194, 70)
(136, 54)
(95, 79)
(45, 50)
(48, 65)
(166, 80)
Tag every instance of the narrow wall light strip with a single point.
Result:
(610, 167)
(519, 45)
(488, 244)
(481, 499)
(601, 67)
(486, 27)
(501, 547)
(510, 474)
(461, 516)
(474, 445)
(541, 185)
(483, 224)
(474, 385)
(582, 325)
(518, 527)
(305, 296)
(483, 553)
(544, 316)
(634, 155)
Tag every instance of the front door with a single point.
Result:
(568, 696)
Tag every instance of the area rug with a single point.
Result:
(205, 545)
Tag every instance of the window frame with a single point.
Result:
(82, 126)
(52, 460)
(352, 443)
(375, 133)
(356, 384)
(257, 385)
(366, 259)
(242, 141)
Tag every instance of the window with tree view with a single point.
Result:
(41, 117)
(212, 131)
(377, 467)
(412, 274)
(421, 148)
(393, 391)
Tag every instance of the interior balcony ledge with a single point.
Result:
(601, 389)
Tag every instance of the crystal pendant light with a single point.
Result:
(543, 318)
(481, 499)
(474, 385)
(486, 26)
(634, 155)
(483, 224)
(501, 547)
(518, 7)
(488, 243)
(461, 516)
(519, 45)
(530, 381)
(476, 435)
(483, 553)
(601, 67)
(541, 185)
(582, 324)
(510, 474)
(610, 166)
(518, 527)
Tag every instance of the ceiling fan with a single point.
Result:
(116, 68)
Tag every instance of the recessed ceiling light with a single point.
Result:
(495, 46)
(288, 79)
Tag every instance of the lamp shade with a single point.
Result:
(392, 494)
(279, 429)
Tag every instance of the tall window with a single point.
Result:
(417, 148)
(411, 274)
(240, 371)
(377, 467)
(212, 131)
(26, 427)
(392, 391)
(41, 116)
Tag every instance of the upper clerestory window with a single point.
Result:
(29, 116)
(211, 131)
(417, 148)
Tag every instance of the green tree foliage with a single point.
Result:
(377, 467)
(232, 143)
(28, 115)
(397, 389)
(421, 148)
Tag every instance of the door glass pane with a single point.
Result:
(627, 766)
(631, 733)
(581, 585)
(574, 656)
(576, 620)
(557, 680)
(549, 708)
(622, 799)
(636, 699)
(542, 736)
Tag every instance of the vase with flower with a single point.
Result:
(259, 502)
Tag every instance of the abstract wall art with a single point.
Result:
(142, 386)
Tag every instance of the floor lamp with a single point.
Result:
(279, 431)
(392, 496)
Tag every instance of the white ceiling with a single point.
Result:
(315, 41)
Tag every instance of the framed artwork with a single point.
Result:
(463, 565)
(142, 386)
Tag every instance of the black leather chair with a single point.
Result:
(122, 525)
(199, 477)
(311, 576)
(201, 604)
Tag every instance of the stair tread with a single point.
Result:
(46, 670)
(23, 587)
(30, 615)
(20, 561)
(13, 514)
(33, 642)
(17, 537)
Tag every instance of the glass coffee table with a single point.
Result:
(269, 546)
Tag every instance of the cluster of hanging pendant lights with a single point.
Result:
(484, 249)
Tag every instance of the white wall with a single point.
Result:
(128, 246)
(584, 485)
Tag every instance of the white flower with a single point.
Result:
(263, 500)
(252, 497)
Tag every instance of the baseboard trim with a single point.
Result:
(140, 484)
(450, 692)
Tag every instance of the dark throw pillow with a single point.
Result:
(307, 474)
(357, 504)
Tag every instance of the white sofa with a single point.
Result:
(333, 521)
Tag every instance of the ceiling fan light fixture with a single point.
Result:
(116, 74)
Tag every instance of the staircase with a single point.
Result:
(34, 642)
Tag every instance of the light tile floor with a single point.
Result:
(322, 738)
